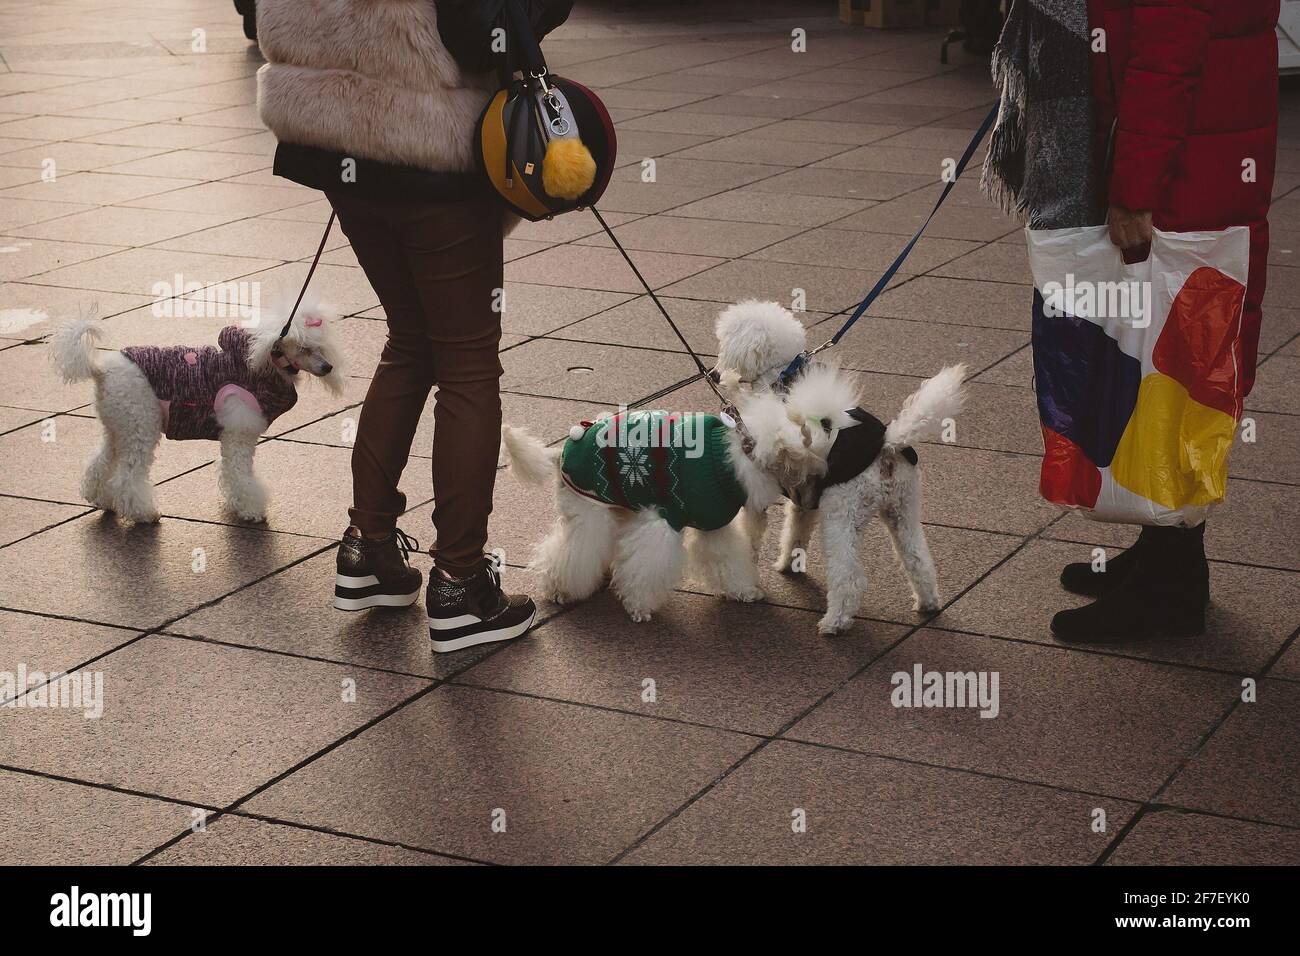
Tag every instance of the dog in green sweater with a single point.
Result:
(640, 491)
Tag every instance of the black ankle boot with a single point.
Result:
(1164, 593)
(474, 610)
(1080, 578)
(373, 572)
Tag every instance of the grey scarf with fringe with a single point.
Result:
(1040, 163)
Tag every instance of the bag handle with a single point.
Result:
(523, 52)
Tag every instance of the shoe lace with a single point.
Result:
(405, 543)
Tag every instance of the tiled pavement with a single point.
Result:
(231, 686)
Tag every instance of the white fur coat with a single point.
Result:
(368, 78)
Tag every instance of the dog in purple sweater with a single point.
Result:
(230, 392)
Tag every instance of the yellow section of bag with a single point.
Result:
(1174, 450)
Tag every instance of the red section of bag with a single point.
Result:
(1200, 345)
(1068, 477)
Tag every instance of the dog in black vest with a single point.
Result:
(873, 468)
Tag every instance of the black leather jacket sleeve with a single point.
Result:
(465, 27)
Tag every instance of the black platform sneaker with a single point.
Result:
(474, 610)
(373, 572)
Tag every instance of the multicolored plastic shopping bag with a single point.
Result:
(1137, 371)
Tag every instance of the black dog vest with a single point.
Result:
(855, 448)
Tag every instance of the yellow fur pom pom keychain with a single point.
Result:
(568, 169)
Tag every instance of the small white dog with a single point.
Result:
(230, 393)
(871, 469)
(635, 498)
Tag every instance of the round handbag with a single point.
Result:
(545, 144)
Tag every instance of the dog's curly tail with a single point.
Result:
(927, 409)
(533, 462)
(72, 349)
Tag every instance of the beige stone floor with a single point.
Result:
(224, 679)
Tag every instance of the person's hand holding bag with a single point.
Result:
(1131, 231)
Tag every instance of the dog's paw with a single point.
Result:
(251, 515)
(746, 595)
(141, 516)
(834, 624)
(929, 605)
(639, 616)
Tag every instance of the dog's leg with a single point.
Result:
(241, 489)
(129, 489)
(574, 557)
(725, 559)
(100, 468)
(844, 514)
(795, 534)
(648, 562)
(132, 421)
(754, 521)
(903, 519)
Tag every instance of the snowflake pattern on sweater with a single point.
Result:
(678, 465)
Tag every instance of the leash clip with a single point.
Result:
(730, 416)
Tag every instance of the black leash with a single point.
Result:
(728, 408)
(793, 368)
(310, 272)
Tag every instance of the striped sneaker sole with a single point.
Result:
(356, 593)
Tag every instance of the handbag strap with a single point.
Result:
(523, 52)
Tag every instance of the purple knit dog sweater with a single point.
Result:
(191, 382)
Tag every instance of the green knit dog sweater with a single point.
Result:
(680, 465)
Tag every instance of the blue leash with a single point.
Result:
(793, 368)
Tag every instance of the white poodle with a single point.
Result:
(634, 500)
(871, 469)
(229, 393)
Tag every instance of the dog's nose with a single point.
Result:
(326, 368)
(715, 375)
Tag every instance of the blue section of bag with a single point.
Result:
(1087, 388)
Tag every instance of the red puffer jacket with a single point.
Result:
(1197, 87)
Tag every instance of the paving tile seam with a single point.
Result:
(159, 629)
(128, 99)
(235, 278)
(1267, 357)
(329, 831)
(48, 527)
(434, 684)
(422, 692)
(110, 787)
(1281, 652)
(1230, 562)
(785, 728)
(1158, 807)
(673, 41)
(768, 602)
(1094, 650)
(606, 708)
(235, 645)
(250, 526)
(965, 771)
(1154, 799)
(137, 636)
(292, 655)
(1132, 822)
